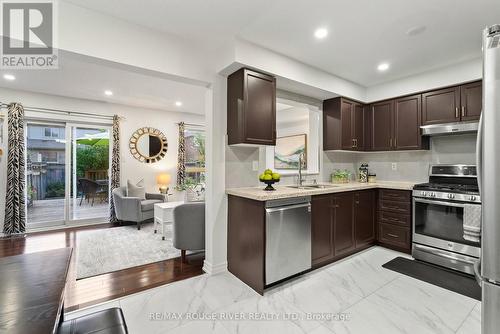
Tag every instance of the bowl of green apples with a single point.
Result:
(269, 177)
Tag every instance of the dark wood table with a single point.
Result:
(32, 291)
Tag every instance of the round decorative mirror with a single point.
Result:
(148, 145)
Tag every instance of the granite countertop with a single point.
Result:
(283, 191)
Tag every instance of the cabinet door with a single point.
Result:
(367, 114)
(441, 106)
(260, 108)
(471, 96)
(343, 234)
(358, 127)
(346, 115)
(364, 217)
(407, 121)
(322, 228)
(382, 125)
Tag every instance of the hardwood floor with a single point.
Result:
(97, 289)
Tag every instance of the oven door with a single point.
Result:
(439, 224)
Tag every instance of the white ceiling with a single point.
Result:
(362, 33)
(85, 78)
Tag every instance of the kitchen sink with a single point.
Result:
(314, 186)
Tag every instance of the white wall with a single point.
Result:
(134, 118)
(441, 77)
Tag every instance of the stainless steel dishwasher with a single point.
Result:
(288, 237)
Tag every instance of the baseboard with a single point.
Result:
(214, 269)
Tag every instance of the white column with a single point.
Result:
(216, 199)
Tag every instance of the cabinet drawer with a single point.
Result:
(397, 207)
(394, 218)
(395, 195)
(394, 235)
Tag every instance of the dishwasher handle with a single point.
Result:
(289, 207)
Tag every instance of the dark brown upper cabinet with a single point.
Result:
(471, 96)
(453, 104)
(395, 125)
(382, 124)
(251, 108)
(407, 122)
(441, 106)
(343, 125)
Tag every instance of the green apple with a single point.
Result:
(261, 177)
(276, 176)
(268, 177)
(268, 171)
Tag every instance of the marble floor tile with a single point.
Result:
(472, 324)
(437, 309)
(221, 290)
(360, 275)
(162, 309)
(317, 294)
(200, 327)
(278, 316)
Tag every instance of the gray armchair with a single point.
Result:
(135, 209)
(189, 227)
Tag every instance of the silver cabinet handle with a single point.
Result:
(456, 112)
(393, 235)
(463, 111)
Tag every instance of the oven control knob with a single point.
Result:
(451, 196)
(433, 194)
(424, 193)
(472, 198)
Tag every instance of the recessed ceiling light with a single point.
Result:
(178, 104)
(108, 92)
(417, 30)
(320, 33)
(383, 67)
(9, 77)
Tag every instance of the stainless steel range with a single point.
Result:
(440, 210)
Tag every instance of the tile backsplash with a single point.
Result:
(410, 165)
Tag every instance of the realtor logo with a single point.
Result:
(28, 34)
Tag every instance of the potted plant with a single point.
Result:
(195, 191)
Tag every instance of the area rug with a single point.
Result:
(445, 278)
(107, 250)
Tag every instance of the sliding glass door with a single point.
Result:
(67, 174)
(45, 174)
(89, 199)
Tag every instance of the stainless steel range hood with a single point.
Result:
(449, 128)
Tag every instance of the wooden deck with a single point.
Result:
(51, 210)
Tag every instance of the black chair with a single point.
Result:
(110, 321)
(90, 190)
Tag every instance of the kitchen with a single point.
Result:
(401, 173)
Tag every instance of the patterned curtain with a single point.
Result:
(15, 208)
(115, 167)
(181, 157)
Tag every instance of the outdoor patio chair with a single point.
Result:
(90, 190)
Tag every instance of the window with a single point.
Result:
(195, 154)
(51, 132)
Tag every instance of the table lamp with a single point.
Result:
(163, 181)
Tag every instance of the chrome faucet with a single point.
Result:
(301, 161)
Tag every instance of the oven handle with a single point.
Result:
(443, 203)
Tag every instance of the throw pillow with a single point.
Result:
(136, 190)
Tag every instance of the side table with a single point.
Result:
(164, 214)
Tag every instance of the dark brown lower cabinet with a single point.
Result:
(342, 224)
(364, 218)
(322, 228)
(394, 219)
